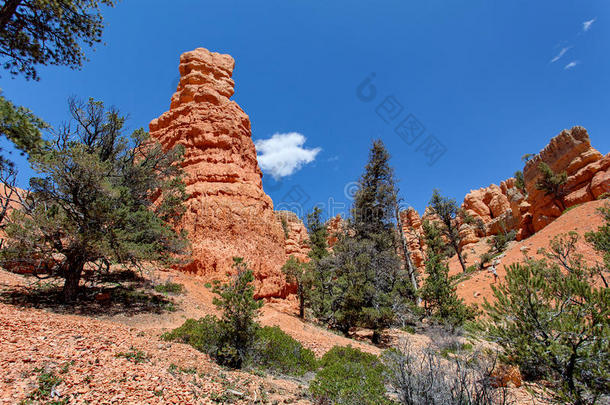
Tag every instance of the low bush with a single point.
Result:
(349, 376)
(272, 350)
(427, 378)
(202, 334)
(276, 351)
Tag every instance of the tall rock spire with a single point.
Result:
(228, 213)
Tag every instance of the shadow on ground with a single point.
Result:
(113, 293)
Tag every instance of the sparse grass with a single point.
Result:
(571, 208)
(170, 288)
(134, 355)
(174, 369)
(47, 381)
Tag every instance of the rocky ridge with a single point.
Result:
(495, 209)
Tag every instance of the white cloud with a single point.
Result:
(587, 24)
(560, 54)
(571, 65)
(283, 154)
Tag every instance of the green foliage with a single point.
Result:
(34, 32)
(22, 127)
(134, 355)
(447, 211)
(276, 351)
(203, 334)
(239, 312)
(229, 339)
(363, 285)
(520, 181)
(359, 282)
(373, 211)
(552, 183)
(285, 227)
(439, 295)
(316, 230)
(298, 273)
(553, 321)
(169, 287)
(499, 242)
(600, 241)
(47, 381)
(525, 158)
(349, 376)
(100, 197)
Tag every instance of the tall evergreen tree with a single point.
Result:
(101, 197)
(364, 267)
(373, 211)
(447, 211)
(439, 295)
(320, 286)
(318, 235)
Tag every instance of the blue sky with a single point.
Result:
(477, 75)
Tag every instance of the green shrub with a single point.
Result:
(349, 376)
(169, 287)
(276, 351)
(202, 334)
(552, 318)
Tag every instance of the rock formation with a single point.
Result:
(414, 234)
(587, 171)
(296, 239)
(334, 227)
(495, 209)
(228, 213)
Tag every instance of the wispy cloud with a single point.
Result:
(560, 54)
(283, 154)
(586, 26)
(571, 65)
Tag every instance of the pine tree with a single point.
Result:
(34, 32)
(239, 312)
(439, 295)
(447, 210)
(318, 235)
(553, 320)
(299, 273)
(364, 270)
(20, 126)
(101, 197)
(553, 184)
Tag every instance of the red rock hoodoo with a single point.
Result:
(587, 169)
(228, 213)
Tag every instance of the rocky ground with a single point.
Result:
(111, 352)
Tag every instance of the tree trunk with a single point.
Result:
(409, 263)
(459, 255)
(74, 270)
(301, 305)
(376, 337)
